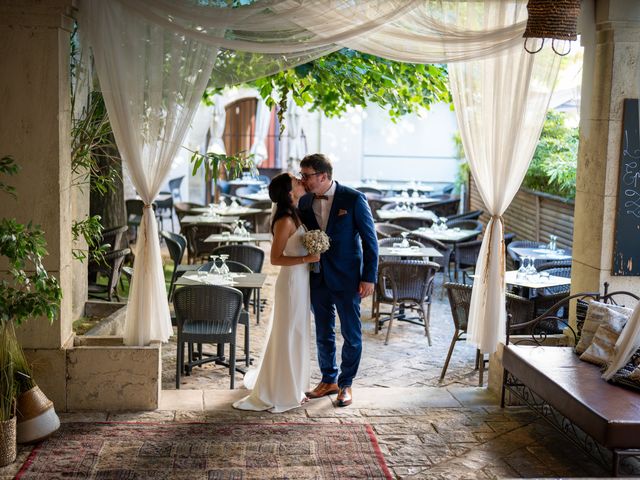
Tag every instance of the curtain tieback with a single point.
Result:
(147, 205)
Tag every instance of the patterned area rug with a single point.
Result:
(211, 451)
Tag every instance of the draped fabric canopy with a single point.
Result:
(154, 58)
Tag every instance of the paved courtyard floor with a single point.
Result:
(426, 429)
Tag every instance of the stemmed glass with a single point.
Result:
(243, 229)
(443, 223)
(522, 271)
(237, 230)
(405, 242)
(214, 270)
(224, 268)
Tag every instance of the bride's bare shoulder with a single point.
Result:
(285, 226)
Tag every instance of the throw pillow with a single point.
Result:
(581, 313)
(596, 314)
(629, 375)
(604, 340)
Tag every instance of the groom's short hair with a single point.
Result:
(319, 162)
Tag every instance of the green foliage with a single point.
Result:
(462, 176)
(553, 167)
(91, 230)
(216, 164)
(348, 78)
(27, 290)
(8, 167)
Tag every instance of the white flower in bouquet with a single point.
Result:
(316, 242)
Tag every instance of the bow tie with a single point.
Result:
(320, 197)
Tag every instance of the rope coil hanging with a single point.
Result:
(555, 19)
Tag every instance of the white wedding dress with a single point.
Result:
(281, 379)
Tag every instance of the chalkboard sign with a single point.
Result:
(626, 245)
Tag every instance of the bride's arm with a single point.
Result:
(282, 230)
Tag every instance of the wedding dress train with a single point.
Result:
(280, 381)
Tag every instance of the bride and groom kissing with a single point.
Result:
(347, 274)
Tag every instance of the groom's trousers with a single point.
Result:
(324, 303)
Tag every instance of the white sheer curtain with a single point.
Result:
(500, 104)
(216, 130)
(152, 80)
(263, 119)
(296, 148)
(154, 57)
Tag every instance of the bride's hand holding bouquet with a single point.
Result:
(316, 242)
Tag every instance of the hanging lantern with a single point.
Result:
(555, 19)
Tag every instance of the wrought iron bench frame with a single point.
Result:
(607, 457)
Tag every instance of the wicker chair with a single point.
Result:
(238, 267)
(459, 295)
(515, 258)
(249, 255)
(164, 210)
(465, 224)
(176, 244)
(197, 248)
(134, 208)
(386, 230)
(262, 220)
(472, 215)
(206, 314)
(445, 208)
(549, 296)
(445, 249)
(406, 284)
(113, 237)
(252, 257)
(375, 205)
(412, 223)
(112, 269)
(466, 256)
(184, 208)
(366, 190)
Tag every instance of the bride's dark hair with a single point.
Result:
(279, 190)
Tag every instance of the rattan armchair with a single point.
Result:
(386, 230)
(466, 224)
(549, 296)
(466, 256)
(515, 258)
(176, 244)
(520, 309)
(111, 267)
(406, 285)
(237, 267)
(445, 208)
(206, 314)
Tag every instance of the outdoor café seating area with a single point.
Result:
(428, 248)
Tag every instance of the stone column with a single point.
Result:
(611, 73)
(35, 130)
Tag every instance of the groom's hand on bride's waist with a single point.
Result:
(365, 289)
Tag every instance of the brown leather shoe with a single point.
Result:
(323, 389)
(344, 397)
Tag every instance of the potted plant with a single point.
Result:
(26, 291)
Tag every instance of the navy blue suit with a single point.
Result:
(352, 258)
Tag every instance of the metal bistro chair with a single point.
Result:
(407, 284)
(237, 267)
(252, 257)
(207, 314)
(520, 309)
(112, 269)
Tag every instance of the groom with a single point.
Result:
(347, 273)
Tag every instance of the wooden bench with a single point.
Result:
(601, 418)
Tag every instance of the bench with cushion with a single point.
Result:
(601, 418)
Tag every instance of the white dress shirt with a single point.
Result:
(322, 208)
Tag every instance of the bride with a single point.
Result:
(282, 378)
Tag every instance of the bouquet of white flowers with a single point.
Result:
(316, 242)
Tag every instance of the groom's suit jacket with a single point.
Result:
(353, 255)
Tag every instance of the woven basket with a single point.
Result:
(8, 442)
(37, 419)
(552, 19)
